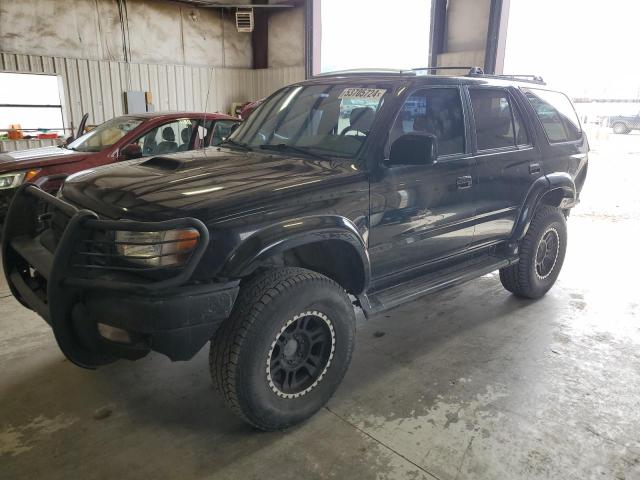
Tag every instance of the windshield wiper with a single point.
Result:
(236, 144)
(283, 147)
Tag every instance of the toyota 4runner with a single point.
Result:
(264, 245)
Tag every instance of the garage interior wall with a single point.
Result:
(96, 86)
(173, 51)
(287, 38)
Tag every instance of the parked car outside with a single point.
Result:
(622, 124)
(263, 245)
(121, 138)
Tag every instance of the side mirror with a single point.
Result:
(414, 149)
(233, 128)
(69, 140)
(130, 152)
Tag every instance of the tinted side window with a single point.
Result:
(436, 111)
(556, 113)
(521, 132)
(493, 118)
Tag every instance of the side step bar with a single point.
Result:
(380, 300)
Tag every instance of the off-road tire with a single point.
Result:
(620, 129)
(241, 350)
(525, 279)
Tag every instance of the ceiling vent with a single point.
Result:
(244, 19)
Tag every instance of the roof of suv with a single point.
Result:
(417, 77)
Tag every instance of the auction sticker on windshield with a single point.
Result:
(363, 93)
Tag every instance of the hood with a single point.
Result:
(210, 184)
(38, 157)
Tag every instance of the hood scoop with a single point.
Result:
(163, 163)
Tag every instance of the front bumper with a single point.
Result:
(68, 273)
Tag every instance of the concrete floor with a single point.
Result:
(470, 383)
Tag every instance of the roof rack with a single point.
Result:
(522, 78)
(470, 70)
(479, 72)
(526, 78)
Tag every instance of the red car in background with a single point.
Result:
(121, 138)
(248, 108)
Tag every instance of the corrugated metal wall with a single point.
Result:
(97, 87)
(11, 145)
(270, 79)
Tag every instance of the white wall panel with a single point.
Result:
(11, 145)
(268, 80)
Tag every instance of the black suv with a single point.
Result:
(264, 245)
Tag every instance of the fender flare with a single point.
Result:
(285, 235)
(558, 181)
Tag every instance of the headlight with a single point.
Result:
(15, 179)
(157, 249)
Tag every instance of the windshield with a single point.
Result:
(331, 120)
(105, 135)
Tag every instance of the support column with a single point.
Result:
(260, 36)
(313, 37)
(470, 33)
(496, 36)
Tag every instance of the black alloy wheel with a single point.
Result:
(547, 253)
(301, 354)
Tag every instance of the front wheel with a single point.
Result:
(542, 252)
(285, 348)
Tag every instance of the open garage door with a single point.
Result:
(361, 34)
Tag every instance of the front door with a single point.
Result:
(420, 213)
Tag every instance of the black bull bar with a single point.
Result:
(48, 272)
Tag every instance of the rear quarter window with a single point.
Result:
(556, 113)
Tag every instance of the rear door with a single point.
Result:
(563, 144)
(507, 161)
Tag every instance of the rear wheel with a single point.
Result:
(285, 348)
(542, 252)
(620, 128)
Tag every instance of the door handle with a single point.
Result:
(534, 168)
(464, 182)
